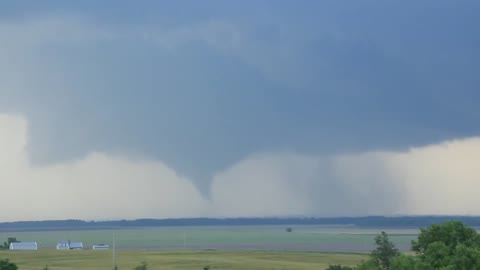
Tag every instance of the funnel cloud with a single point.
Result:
(160, 109)
(435, 179)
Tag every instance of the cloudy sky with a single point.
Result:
(238, 108)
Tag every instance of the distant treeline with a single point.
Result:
(370, 221)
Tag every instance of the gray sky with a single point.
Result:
(217, 108)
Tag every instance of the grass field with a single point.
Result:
(92, 260)
(303, 238)
(243, 247)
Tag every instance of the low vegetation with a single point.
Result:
(175, 260)
(7, 265)
(10, 240)
(142, 266)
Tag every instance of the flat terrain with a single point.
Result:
(267, 238)
(92, 260)
(221, 247)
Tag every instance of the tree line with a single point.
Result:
(371, 221)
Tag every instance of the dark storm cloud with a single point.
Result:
(201, 86)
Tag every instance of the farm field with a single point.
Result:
(235, 260)
(303, 238)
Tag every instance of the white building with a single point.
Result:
(23, 246)
(76, 245)
(100, 247)
(68, 245)
(63, 245)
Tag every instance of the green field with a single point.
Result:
(242, 247)
(90, 260)
(303, 238)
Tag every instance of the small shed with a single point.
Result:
(100, 247)
(23, 246)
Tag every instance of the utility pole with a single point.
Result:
(114, 266)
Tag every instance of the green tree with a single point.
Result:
(6, 245)
(448, 246)
(451, 233)
(7, 265)
(451, 245)
(367, 265)
(403, 262)
(437, 255)
(466, 258)
(384, 252)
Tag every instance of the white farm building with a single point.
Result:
(68, 245)
(23, 246)
(100, 247)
